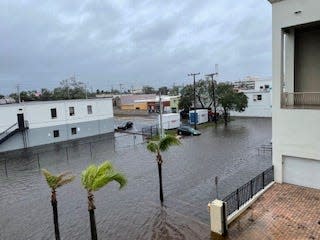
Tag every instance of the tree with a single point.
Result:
(93, 179)
(46, 94)
(203, 95)
(186, 98)
(228, 99)
(55, 182)
(160, 146)
(174, 91)
(163, 90)
(148, 90)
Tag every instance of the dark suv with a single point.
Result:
(125, 125)
(186, 130)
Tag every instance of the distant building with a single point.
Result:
(296, 91)
(147, 102)
(7, 100)
(258, 92)
(31, 124)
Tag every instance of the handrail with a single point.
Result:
(304, 100)
(7, 130)
(247, 191)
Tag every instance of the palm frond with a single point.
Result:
(103, 168)
(153, 147)
(96, 177)
(65, 181)
(88, 175)
(167, 142)
(119, 178)
(50, 178)
(57, 181)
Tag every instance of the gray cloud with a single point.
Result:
(132, 42)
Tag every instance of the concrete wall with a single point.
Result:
(295, 132)
(307, 60)
(256, 108)
(127, 107)
(44, 135)
(141, 106)
(38, 114)
(42, 125)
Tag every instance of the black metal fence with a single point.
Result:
(150, 131)
(244, 193)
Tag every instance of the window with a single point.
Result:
(89, 109)
(56, 133)
(73, 131)
(53, 112)
(71, 111)
(259, 97)
(266, 86)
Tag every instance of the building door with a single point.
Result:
(301, 171)
(20, 121)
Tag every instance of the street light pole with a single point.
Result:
(194, 98)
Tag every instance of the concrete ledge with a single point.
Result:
(244, 207)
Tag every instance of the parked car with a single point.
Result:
(186, 130)
(125, 125)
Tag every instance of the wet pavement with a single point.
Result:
(133, 213)
(284, 211)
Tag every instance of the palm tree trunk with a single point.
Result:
(91, 208)
(54, 204)
(160, 181)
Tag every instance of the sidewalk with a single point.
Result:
(283, 212)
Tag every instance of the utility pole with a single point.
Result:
(194, 98)
(161, 126)
(18, 93)
(121, 88)
(213, 94)
(85, 85)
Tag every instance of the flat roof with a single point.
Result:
(274, 1)
(54, 101)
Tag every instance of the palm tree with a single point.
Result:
(94, 178)
(160, 146)
(55, 182)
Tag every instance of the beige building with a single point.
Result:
(296, 91)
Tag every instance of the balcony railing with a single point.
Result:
(304, 100)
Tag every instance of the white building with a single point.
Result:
(296, 91)
(258, 92)
(53, 121)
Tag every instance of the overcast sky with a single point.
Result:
(134, 42)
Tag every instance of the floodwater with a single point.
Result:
(134, 212)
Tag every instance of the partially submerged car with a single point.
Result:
(187, 130)
(125, 125)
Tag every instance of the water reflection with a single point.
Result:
(134, 213)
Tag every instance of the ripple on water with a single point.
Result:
(135, 212)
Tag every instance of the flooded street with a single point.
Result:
(134, 212)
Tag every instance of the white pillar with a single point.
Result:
(218, 220)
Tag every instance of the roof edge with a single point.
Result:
(274, 1)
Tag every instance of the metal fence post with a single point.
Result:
(251, 188)
(263, 180)
(238, 200)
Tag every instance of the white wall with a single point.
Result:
(38, 114)
(295, 132)
(258, 108)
